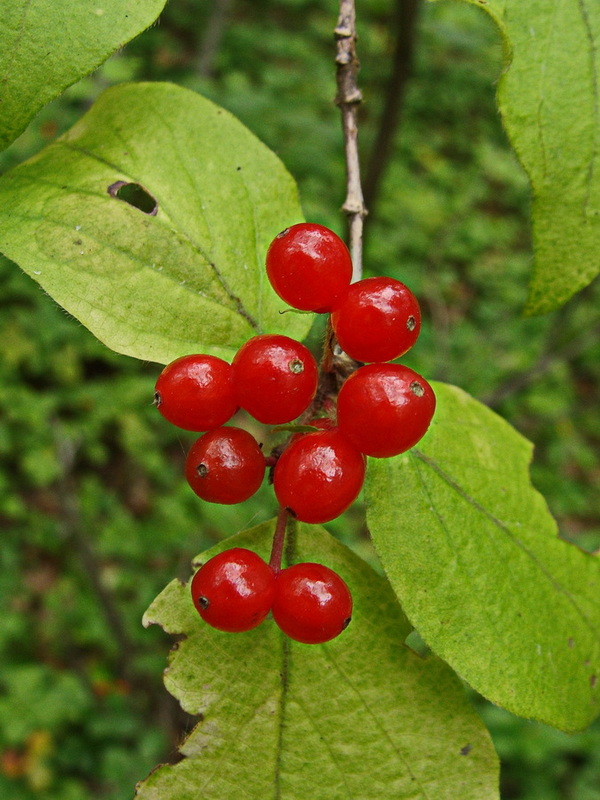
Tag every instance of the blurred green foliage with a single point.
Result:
(95, 515)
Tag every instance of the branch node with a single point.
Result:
(343, 32)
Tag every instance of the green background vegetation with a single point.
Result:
(95, 515)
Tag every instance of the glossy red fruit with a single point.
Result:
(195, 392)
(225, 466)
(275, 378)
(318, 476)
(312, 604)
(309, 266)
(234, 590)
(385, 409)
(378, 319)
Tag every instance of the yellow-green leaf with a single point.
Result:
(359, 717)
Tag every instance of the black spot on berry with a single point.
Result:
(283, 233)
(134, 195)
(417, 388)
(411, 323)
(157, 399)
(296, 366)
(346, 623)
(202, 470)
(203, 602)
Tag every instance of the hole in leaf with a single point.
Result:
(134, 195)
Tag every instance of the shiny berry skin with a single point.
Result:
(225, 466)
(309, 266)
(195, 392)
(275, 378)
(312, 604)
(378, 319)
(234, 590)
(385, 409)
(318, 476)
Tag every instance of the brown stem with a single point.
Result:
(279, 539)
(406, 14)
(212, 37)
(348, 99)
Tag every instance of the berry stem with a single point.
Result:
(279, 539)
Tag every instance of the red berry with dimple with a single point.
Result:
(318, 476)
(378, 319)
(309, 266)
(195, 392)
(234, 590)
(385, 409)
(312, 604)
(225, 466)
(275, 378)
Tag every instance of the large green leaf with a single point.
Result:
(360, 717)
(46, 46)
(549, 100)
(473, 555)
(191, 277)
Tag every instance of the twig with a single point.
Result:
(348, 99)
(279, 539)
(406, 14)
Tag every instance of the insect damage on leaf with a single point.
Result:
(135, 195)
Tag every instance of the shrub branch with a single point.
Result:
(348, 99)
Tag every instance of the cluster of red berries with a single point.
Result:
(235, 590)
(383, 409)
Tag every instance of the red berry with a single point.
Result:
(318, 476)
(234, 590)
(384, 409)
(309, 266)
(378, 319)
(225, 466)
(275, 378)
(196, 392)
(312, 603)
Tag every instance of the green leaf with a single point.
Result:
(359, 717)
(549, 100)
(189, 278)
(45, 47)
(473, 555)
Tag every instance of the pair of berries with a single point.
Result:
(274, 378)
(235, 590)
(374, 320)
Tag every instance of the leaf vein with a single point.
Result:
(515, 539)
